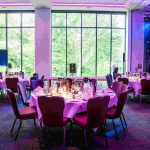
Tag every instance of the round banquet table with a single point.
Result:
(2, 84)
(74, 106)
(136, 84)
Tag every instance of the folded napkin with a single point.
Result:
(38, 91)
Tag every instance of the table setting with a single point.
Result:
(75, 99)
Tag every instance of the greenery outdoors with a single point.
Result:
(93, 41)
(20, 39)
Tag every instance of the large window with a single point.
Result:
(17, 37)
(93, 41)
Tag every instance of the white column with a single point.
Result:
(137, 38)
(42, 42)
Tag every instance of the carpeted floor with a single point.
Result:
(137, 133)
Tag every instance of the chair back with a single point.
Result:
(116, 87)
(123, 80)
(52, 110)
(11, 84)
(85, 80)
(116, 75)
(94, 83)
(13, 103)
(109, 80)
(145, 87)
(22, 91)
(1, 76)
(123, 88)
(96, 110)
(36, 83)
(121, 102)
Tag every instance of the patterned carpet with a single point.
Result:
(137, 136)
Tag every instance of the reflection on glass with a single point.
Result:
(104, 20)
(89, 20)
(3, 38)
(74, 50)
(103, 51)
(118, 44)
(118, 21)
(28, 50)
(88, 52)
(2, 20)
(59, 52)
(59, 19)
(14, 19)
(14, 48)
(74, 19)
(28, 20)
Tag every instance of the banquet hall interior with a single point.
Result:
(74, 74)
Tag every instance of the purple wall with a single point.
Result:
(42, 42)
(137, 37)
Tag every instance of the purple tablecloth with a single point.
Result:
(136, 85)
(2, 84)
(74, 107)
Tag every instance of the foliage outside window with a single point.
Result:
(94, 41)
(17, 37)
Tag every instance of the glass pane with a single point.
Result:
(2, 20)
(103, 51)
(74, 50)
(14, 20)
(59, 19)
(88, 52)
(28, 50)
(58, 52)
(89, 20)
(118, 21)
(14, 48)
(28, 19)
(3, 69)
(104, 20)
(2, 38)
(74, 20)
(118, 44)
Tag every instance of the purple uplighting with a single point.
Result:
(15, 4)
(67, 4)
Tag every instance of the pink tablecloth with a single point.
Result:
(74, 107)
(2, 84)
(136, 85)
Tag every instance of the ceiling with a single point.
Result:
(124, 4)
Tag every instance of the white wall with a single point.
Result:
(137, 37)
(42, 42)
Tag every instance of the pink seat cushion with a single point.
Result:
(28, 112)
(65, 120)
(81, 119)
(111, 112)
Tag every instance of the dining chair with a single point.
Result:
(109, 80)
(116, 75)
(116, 112)
(21, 113)
(116, 86)
(126, 81)
(145, 89)
(36, 83)
(52, 113)
(95, 116)
(11, 84)
(23, 93)
(94, 83)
